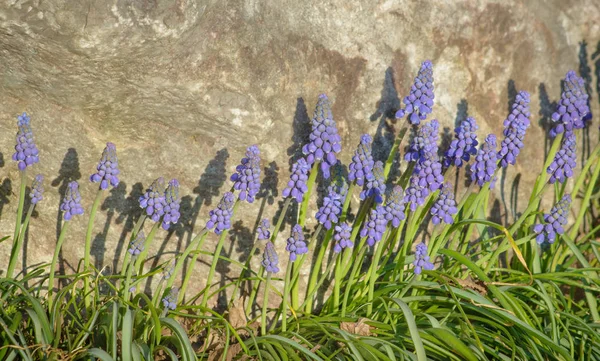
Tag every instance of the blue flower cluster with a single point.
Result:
(553, 221)
(415, 193)
(375, 186)
(170, 300)
(445, 206)
(263, 230)
(342, 237)
(421, 261)
(573, 109)
(172, 201)
(515, 127)
(270, 260)
(424, 143)
(71, 204)
(137, 245)
(107, 170)
(37, 189)
(374, 228)
(247, 176)
(484, 168)
(296, 186)
(565, 159)
(464, 146)
(394, 208)
(361, 167)
(26, 152)
(296, 244)
(153, 201)
(220, 218)
(328, 214)
(419, 102)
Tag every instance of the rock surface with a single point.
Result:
(182, 87)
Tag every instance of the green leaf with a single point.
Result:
(453, 342)
(181, 335)
(413, 329)
(100, 354)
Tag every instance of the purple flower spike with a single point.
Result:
(26, 152)
(565, 160)
(296, 244)
(325, 141)
(375, 186)
(445, 206)
(296, 186)
(421, 261)
(172, 201)
(375, 227)
(515, 127)
(428, 172)
(394, 209)
(220, 218)
(419, 102)
(424, 143)
(270, 260)
(107, 170)
(415, 194)
(554, 221)
(573, 110)
(342, 237)
(361, 168)
(465, 144)
(263, 230)
(153, 201)
(137, 245)
(328, 214)
(71, 204)
(37, 189)
(170, 300)
(247, 176)
(484, 167)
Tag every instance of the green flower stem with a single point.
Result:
(585, 203)
(295, 279)
(372, 276)
(338, 277)
(358, 222)
(347, 202)
(533, 205)
(543, 174)
(195, 244)
(14, 254)
(88, 245)
(254, 292)
(158, 292)
(134, 234)
(350, 281)
(310, 184)
(390, 160)
(394, 241)
(190, 269)
(141, 258)
(59, 243)
(263, 316)
(286, 296)
(316, 270)
(322, 279)
(286, 205)
(127, 283)
(243, 274)
(582, 176)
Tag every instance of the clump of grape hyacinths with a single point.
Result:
(137, 245)
(565, 160)
(424, 143)
(296, 244)
(361, 167)
(573, 108)
(342, 237)
(324, 140)
(328, 214)
(170, 300)
(270, 260)
(464, 146)
(296, 186)
(421, 261)
(484, 167)
(172, 202)
(247, 176)
(394, 208)
(220, 218)
(26, 152)
(37, 189)
(419, 102)
(71, 204)
(375, 186)
(263, 230)
(553, 221)
(153, 201)
(515, 127)
(374, 228)
(107, 170)
(444, 207)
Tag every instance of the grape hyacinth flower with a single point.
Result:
(419, 102)
(220, 218)
(375, 186)
(153, 201)
(108, 168)
(394, 209)
(421, 261)
(361, 168)
(325, 141)
(484, 167)
(464, 146)
(515, 127)
(270, 260)
(263, 230)
(338, 184)
(37, 189)
(565, 159)
(71, 204)
(137, 245)
(428, 172)
(170, 300)
(342, 237)
(445, 206)
(573, 109)
(424, 142)
(247, 176)
(296, 186)
(296, 244)
(553, 221)
(168, 270)
(26, 152)
(328, 214)
(415, 194)
(171, 207)
(375, 227)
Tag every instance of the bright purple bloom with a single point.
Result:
(325, 141)
(37, 189)
(26, 152)
(419, 102)
(328, 214)
(515, 127)
(137, 245)
(296, 186)
(445, 206)
(464, 146)
(296, 244)
(71, 204)
(361, 168)
(394, 208)
(375, 186)
(220, 218)
(247, 176)
(153, 201)
(415, 194)
(107, 170)
(553, 221)
(375, 227)
(421, 261)
(270, 260)
(172, 202)
(424, 143)
(484, 167)
(170, 300)
(342, 237)
(565, 160)
(573, 109)
(428, 172)
(263, 230)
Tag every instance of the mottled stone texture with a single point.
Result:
(182, 87)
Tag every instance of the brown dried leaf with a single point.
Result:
(232, 351)
(475, 285)
(237, 314)
(358, 328)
